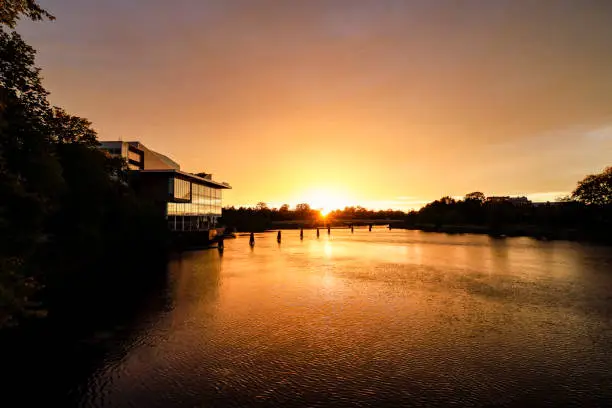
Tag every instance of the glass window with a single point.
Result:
(133, 156)
(182, 189)
(205, 201)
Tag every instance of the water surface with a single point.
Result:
(381, 318)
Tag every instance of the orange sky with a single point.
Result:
(378, 103)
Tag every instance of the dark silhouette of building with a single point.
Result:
(189, 202)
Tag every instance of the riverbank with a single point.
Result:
(532, 231)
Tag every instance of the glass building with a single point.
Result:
(189, 202)
(195, 203)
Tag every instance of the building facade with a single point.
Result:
(516, 201)
(138, 156)
(189, 202)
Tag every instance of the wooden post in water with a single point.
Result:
(317, 232)
(278, 237)
(301, 233)
(252, 240)
(351, 228)
(220, 245)
(328, 229)
(370, 228)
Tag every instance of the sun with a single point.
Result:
(325, 200)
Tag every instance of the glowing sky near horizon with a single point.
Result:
(378, 103)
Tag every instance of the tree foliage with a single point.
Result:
(64, 203)
(12, 10)
(302, 208)
(261, 218)
(595, 189)
(475, 196)
(508, 216)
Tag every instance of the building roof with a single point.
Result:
(191, 177)
(162, 164)
(169, 162)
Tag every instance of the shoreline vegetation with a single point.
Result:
(551, 221)
(585, 215)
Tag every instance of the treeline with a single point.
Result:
(261, 217)
(585, 214)
(70, 226)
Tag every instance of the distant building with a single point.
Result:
(190, 202)
(517, 201)
(550, 203)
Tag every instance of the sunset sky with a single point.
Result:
(386, 104)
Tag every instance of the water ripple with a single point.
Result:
(388, 318)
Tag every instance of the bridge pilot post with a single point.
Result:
(301, 233)
(220, 245)
(278, 237)
(252, 240)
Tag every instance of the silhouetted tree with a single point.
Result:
(13, 10)
(30, 174)
(475, 196)
(595, 189)
(302, 208)
(65, 128)
(65, 204)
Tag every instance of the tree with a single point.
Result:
(475, 196)
(284, 208)
(65, 128)
(595, 189)
(30, 174)
(261, 206)
(12, 10)
(302, 208)
(64, 204)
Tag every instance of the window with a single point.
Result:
(182, 189)
(134, 156)
(205, 201)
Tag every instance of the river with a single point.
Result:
(381, 318)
